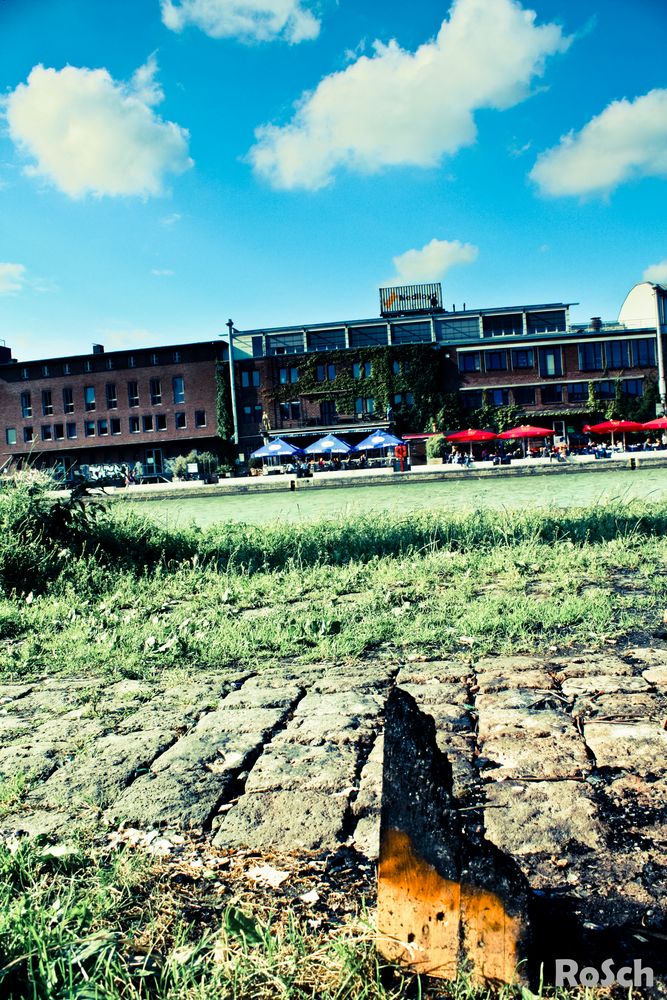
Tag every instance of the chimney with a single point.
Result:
(596, 323)
(98, 348)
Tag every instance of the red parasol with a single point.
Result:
(659, 424)
(614, 426)
(471, 435)
(526, 431)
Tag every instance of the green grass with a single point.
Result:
(91, 922)
(114, 593)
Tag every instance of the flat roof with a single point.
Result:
(377, 320)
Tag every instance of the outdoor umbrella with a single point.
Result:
(614, 426)
(659, 424)
(471, 435)
(329, 445)
(276, 449)
(378, 439)
(524, 431)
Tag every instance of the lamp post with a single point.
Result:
(232, 385)
(662, 387)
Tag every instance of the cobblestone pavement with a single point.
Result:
(568, 757)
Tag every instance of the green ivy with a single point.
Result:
(223, 405)
(417, 374)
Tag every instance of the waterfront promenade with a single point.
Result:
(383, 476)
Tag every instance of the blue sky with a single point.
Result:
(167, 165)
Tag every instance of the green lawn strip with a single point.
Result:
(80, 920)
(524, 596)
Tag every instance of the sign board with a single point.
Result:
(403, 300)
(193, 468)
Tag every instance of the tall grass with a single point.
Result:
(42, 541)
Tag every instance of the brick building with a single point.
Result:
(345, 377)
(115, 408)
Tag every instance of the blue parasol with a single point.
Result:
(330, 445)
(276, 448)
(378, 439)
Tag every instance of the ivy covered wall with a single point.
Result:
(420, 369)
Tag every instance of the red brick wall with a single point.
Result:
(197, 369)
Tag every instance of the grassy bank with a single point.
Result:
(96, 589)
(97, 923)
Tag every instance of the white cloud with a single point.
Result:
(171, 219)
(628, 140)
(432, 261)
(657, 273)
(247, 20)
(397, 107)
(162, 272)
(12, 278)
(90, 133)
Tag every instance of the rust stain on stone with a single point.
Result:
(436, 925)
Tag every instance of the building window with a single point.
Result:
(404, 397)
(284, 411)
(161, 422)
(249, 378)
(28, 435)
(577, 392)
(88, 366)
(247, 414)
(506, 325)
(180, 421)
(523, 358)
(108, 364)
(362, 406)
(524, 395)
(256, 379)
(396, 368)
(176, 357)
(590, 357)
(89, 397)
(552, 393)
(550, 361)
(495, 361)
(200, 418)
(112, 396)
(47, 403)
(47, 434)
(148, 422)
(472, 400)
(606, 389)
(46, 371)
(67, 368)
(331, 372)
(155, 391)
(469, 361)
(134, 425)
(258, 413)
(289, 375)
(633, 387)
(71, 431)
(291, 411)
(89, 428)
(498, 397)
(26, 405)
(114, 424)
(25, 373)
(103, 427)
(643, 353)
(68, 399)
(155, 359)
(59, 432)
(319, 373)
(131, 361)
(10, 435)
(617, 354)
(245, 380)
(178, 385)
(133, 393)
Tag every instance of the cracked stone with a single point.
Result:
(637, 746)
(541, 816)
(283, 821)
